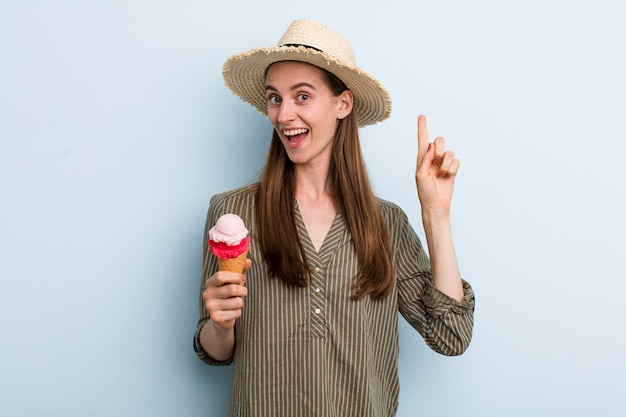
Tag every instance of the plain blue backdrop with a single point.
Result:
(116, 129)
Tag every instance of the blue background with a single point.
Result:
(116, 129)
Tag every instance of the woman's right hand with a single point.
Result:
(223, 297)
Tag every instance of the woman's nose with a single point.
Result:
(286, 112)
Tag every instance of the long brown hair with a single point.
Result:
(277, 231)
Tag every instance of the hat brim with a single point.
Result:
(244, 74)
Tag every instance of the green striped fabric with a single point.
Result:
(314, 352)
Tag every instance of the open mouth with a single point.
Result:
(295, 136)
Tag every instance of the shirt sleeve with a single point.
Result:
(209, 267)
(445, 323)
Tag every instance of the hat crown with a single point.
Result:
(310, 33)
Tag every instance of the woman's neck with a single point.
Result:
(317, 207)
(313, 184)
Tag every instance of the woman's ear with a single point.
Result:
(346, 102)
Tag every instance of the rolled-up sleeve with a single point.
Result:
(202, 355)
(445, 323)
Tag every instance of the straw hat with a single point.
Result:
(311, 42)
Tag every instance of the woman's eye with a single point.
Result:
(274, 100)
(303, 97)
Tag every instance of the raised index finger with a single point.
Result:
(422, 137)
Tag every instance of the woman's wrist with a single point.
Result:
(435, 217)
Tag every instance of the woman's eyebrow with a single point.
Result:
(294, 87)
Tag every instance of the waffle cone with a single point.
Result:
(233, 264)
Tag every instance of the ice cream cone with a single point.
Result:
(233, 264)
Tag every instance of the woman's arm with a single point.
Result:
(223, 301)
(434, 176)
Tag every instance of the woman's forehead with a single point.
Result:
(294, 68)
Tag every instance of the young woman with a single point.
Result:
(313, 330)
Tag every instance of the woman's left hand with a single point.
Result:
(435, 172)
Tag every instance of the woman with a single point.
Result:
(314, 332)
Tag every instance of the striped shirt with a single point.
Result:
(313, 352)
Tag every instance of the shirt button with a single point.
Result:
(316, 289)
(317, 269)
(318, 311)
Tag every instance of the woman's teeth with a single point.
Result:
(294, 132)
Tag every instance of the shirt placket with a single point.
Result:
(317, 305)
(318, 279)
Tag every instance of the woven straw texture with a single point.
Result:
(311, 42)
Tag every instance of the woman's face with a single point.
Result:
(304, 111)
